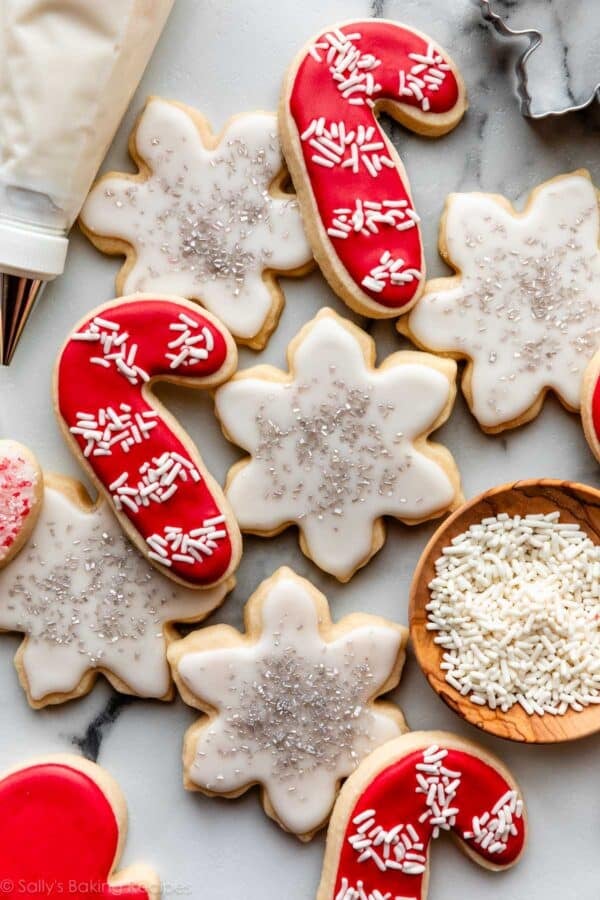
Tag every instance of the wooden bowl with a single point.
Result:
(576, 503)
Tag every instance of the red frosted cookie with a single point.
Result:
(405, 795)
(141, 459)
(63, 823)
(353, 189)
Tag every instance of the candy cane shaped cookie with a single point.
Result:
(352, 187)
(590, 404)
(149, 469)
(404, 795)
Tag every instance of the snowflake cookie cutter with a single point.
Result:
(535, 39)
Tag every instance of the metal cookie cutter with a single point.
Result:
(534, 38)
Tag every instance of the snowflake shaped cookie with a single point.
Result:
(206, 217)
(291, 703)
(524, 306)
(336, 444)
(88, 602)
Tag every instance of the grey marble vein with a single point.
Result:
(89, 742)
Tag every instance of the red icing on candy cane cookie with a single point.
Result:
(62, 824)
(352, 186)
(590, 404)
(166, 501)
(406, 794)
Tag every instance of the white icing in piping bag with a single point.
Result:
(67, 74)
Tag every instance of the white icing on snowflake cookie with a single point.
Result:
(337, 444)
(524, 306)
(206, 217)
(89, 602)
(291, 702)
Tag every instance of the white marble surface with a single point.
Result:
(226, 56)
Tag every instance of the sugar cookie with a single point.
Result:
(89, 603)
(352, 186)
(336, 445)
(62, 830)
(206, 217)
(21, 489)
(291, 702)
(407, 793)
(138, 455)
(523, 307)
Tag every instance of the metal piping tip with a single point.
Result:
(18, 297)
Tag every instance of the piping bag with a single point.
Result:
(68, 69)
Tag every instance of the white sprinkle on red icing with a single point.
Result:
(177, 545)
